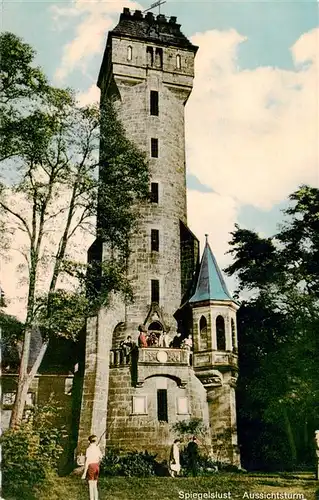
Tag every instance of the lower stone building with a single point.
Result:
(132, 398)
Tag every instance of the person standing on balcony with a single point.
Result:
(177, 341)
(128, 347)
(166, 339)
(142, 341)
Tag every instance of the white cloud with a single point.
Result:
(252, 135)
(212, 214)
(91, 96)
(96, 17)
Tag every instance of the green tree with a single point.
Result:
(50, 146)
(279, 346)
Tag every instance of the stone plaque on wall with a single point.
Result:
(182, 406)
(139, 405)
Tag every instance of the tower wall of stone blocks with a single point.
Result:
(133, 400)
(132, 421)
(129, 75)
(95, 391)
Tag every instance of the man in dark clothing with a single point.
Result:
(177, 341)
(192, 453)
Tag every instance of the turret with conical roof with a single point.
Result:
(210, 283)
(215, 350)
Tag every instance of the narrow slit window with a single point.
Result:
(154, 147)
(154, 240)
(129, 53)
(162, 414)
(159, 58)
(154, 192)
(149, 56)
(203, 333)
(220, 332)
(154, 102)
(155, 291)
(178, 62)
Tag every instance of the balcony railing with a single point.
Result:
(151, 356)
(215, 358)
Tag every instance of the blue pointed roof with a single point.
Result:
(210, 282)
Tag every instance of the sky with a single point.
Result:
(252, 120)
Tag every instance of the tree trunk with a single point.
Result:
(24, 384)
(20, 398)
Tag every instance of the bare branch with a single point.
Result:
(18, 216)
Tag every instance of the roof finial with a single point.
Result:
(206, 236)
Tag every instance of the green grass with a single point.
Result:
(119, 488)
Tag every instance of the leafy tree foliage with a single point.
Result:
(278, 337)
(31, 453)
(50, 195)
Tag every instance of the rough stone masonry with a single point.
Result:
(133, 401)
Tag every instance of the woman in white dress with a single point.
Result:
(174, 461)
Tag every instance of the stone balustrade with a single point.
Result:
(151, 356)
(215, 358)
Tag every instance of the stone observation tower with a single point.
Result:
(132, 399)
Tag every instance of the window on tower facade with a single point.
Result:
(159, 58)
(154, 147)
(154, 102)
(162, 414)
(149, 56)
(154, 192)
(154, 240)
(203, 334)
(233, 335)
(129, 53)
(155, 291)
(178, 61)
(220, 333)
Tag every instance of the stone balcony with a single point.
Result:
(217, 359)
(152, 356)
(148, 362)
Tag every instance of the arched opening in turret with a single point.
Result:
(118, 335)
(155, 326)
(178, 62)
(155, 334)
(203, 333)
(129, 53)
(220, 333)
(233, 335)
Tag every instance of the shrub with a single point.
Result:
(132, 464)
(111, 463)
(140, 464)
(31, 452)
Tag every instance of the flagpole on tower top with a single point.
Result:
(155, 4)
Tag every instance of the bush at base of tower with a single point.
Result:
(30, 453)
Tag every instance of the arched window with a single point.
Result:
(233, 335)
(178, 62)
(129, 53)
(203, 334)
(220, 333)
(155, 326)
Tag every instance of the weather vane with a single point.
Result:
(155, 4)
